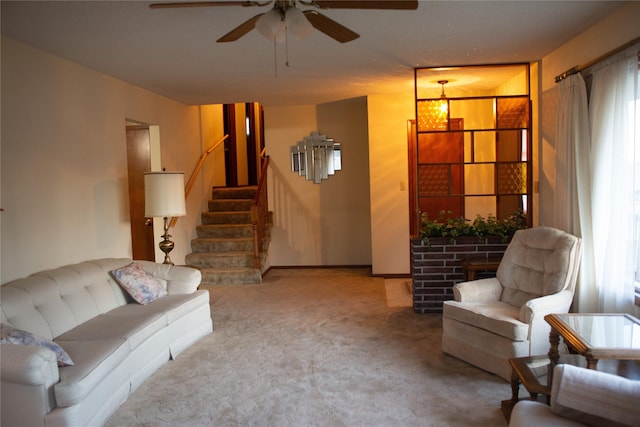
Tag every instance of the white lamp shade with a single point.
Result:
(298, 23)
(269, 24)
(164, 194)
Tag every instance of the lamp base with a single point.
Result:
(166, 245)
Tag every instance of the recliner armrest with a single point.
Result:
(488, 289)
(541, 306)
(593, 397)
(533, 312)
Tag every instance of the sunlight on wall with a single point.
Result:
(388, 165)
(212, 129)
(327, 223)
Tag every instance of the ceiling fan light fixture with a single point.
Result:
(285, 17)
(271, 25)
(297, 23)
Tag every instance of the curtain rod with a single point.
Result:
(578, 68)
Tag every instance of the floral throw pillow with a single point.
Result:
(142, 286)
(11, 335)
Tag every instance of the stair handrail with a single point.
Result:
(198, 168)
(196, 171)
(260, 212)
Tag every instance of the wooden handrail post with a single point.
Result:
(260, 213)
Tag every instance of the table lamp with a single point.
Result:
(164, 198)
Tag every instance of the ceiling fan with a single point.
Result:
(271, 24)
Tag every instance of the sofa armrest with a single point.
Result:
(595, 398)
(178, 279)
(28, 364)
(28, 374)
(488, 289)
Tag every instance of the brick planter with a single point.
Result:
(436, 268)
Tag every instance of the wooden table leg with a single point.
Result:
(507, 405)
(554, 356)
(515, 388)
(591, 362)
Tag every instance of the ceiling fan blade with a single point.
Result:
(208, 3)
(368, 4)
(240, 30)
(330, 27)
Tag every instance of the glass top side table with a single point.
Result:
(595, 336)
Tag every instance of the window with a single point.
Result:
(614, 121)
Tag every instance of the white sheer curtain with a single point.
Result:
(572, 196)
(614, 132)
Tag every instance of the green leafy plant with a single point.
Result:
(447, 225)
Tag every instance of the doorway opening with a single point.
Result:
(243, 122)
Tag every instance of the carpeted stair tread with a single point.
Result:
(229, 244)
(204, 231)
(226, 217)
(230, 205)
(220, 259)
(248, 192)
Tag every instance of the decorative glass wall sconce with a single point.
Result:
(316, 157)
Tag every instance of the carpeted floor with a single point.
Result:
(316, 347)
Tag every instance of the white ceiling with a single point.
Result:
(173, 52)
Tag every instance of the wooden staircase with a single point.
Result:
(224, 248)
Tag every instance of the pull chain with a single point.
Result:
(286, 45)
(275, 59)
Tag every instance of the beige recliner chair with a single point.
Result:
(495, 319)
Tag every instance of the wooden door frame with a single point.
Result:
(252, 144)
(142, 230)
(230, 151)
(414, 216)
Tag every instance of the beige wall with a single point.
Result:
(388, 165)
(213, 169)
(296, 233)
(613, 31)
(64, 165)
(360, 215)
(344, 198)
(327, 223)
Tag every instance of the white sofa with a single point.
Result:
(582, 397)
(114, 342)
